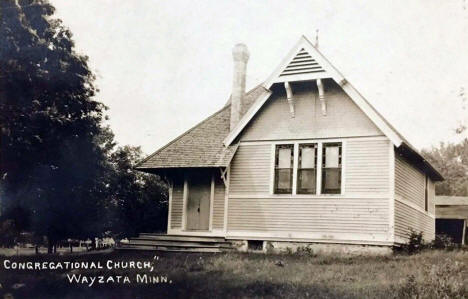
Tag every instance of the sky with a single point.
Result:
(164, 66)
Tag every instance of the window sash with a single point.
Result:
(284, 174)
(331, 180)
(307, 176)
(331, 170)
(322, 176)
(304, 176)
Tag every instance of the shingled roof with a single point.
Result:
(202, 145)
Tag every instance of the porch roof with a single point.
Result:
(442, 200)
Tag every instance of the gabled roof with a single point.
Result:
(210, 143)
(309, 64)
(202, 145)
(306, 62)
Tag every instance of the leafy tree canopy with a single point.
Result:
(139, 200)
(57, 169)
(452, 161)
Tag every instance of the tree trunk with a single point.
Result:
(51, 245)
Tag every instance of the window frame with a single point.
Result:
(318, 193)
(340, 165)
(276, 190)
(298, 168)
(426, 193)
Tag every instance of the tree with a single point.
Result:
(464, 101)
(139, 200)
(54, 146)
(452, 161)
(60, 174)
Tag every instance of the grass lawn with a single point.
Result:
(431, 274)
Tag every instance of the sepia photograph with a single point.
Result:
(233, 149)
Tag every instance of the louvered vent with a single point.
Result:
(303, 63)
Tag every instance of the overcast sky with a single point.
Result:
(163, 66)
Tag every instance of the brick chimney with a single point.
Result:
(240, 54)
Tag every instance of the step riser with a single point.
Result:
(157, 242)
(181, 238)
(184, 250)
(199, 250)
(135, 243)
(181, 241)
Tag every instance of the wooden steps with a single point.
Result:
(179, 237)
(176, 243)
(194, 250)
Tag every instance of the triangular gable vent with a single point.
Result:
(302, 63)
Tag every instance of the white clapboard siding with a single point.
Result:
(410, 186)
(177, 204)
(250, 171)
(218, 202)
(367, 166)
(253, 209)
(407, 218)
(343, 119)
(409, 182)
(308, 215)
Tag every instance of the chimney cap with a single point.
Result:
(240, 52)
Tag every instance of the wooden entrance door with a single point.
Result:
(198, 202)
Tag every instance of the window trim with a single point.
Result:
(340, 162)
(426, 193)
(316, 147)
(319, 143)
(292, 178)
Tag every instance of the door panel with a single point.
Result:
(198, 202)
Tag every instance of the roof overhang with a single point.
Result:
(442, 200)
(419, 161)
(247, 117)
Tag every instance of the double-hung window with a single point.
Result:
(331, 168)
(309, 168)
(284, 165)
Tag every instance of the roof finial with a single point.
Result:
(316, 38)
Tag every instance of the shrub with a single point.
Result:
(443, 241)
(306, 251)
(415, 242)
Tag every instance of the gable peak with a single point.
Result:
(302, 63)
